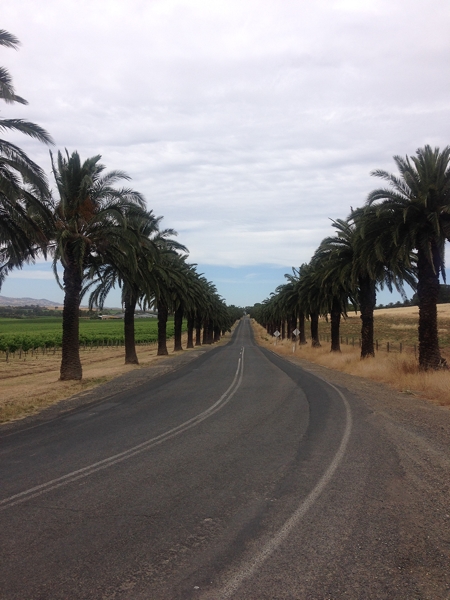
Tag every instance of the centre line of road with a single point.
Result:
(126, 454)
(249, 569)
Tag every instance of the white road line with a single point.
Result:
(249, 569)
(121, 456)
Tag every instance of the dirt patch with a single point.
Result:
(30, 385)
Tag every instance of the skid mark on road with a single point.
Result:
(252, 566)
(142, 447)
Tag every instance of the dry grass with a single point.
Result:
(28, 386)
(400, 371)
(394, 325)
(412, 311)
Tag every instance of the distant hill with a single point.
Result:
(4, 301)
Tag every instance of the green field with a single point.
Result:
(46, 332)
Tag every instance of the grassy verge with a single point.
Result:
(400, 371)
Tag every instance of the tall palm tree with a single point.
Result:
(89, 227)
(366, 257)
(415, 209)
(194, 303)
(309, 293)
(24, 193)
(335, 291)
(140, 279)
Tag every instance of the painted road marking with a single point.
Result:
(256, 562)
(121, 456)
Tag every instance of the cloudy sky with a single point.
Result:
(247, 124)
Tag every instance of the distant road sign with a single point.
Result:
(277, 333)
(296, 331)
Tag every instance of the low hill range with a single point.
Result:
(5, 301)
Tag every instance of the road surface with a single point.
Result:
(239, 475)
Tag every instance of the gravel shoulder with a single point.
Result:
(392, 499)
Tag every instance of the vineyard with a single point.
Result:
(24, 335)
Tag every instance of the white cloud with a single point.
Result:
(246, 124)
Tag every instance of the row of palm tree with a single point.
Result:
(398, 236)
(101, 233)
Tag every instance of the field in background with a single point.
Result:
(46, 332)
(399, 370)
(29, 369)
(393, 325)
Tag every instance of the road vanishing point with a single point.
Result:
(238, 475)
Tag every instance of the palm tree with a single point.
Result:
(366, 257)
(140, 279)
(195, 303)
(89, 227)
(24, 193)
(290, 303)
(415, 209)
(335, 291)
(170, 296)
(309, 293)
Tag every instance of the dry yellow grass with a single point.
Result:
(412, 311)
(400, 371)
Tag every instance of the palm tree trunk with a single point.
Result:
(335, 327)
(367, 299)
(128, 323)
(70, 361)
(216, 331)
(198, 330)
(283, 329)
(315, 342)
(428, 292)
(301, 327)
(190, 331)
(292, 327)
(205, 332)
(178, 326)
(208, 332)
(163, 313)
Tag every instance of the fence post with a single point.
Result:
(376, 345)
(401, 347)
(387, 346)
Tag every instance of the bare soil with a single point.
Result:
(30, 385)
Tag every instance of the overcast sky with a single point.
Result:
(247, 124)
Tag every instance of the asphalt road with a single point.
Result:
(239, 475)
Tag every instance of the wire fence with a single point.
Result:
(33, 353)
(380, 346)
